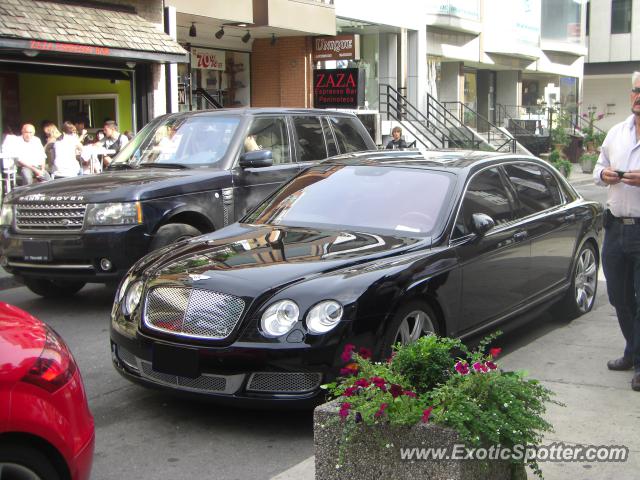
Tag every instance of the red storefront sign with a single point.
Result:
(338, 88)
(68, 47)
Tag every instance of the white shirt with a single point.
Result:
(620, 151)
(65, 163)
(27, 153)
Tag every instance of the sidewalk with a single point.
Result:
(7, 280)
(601, 408)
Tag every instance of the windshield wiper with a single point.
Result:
(162, 165)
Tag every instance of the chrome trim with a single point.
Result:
(51, 266)
(316, 377)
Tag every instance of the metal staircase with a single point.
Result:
(435, 128)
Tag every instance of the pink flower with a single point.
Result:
(381, 410)
(426, 414)
(350, 369)
(365, 353)
(350, 391)
(409, 393)
(396, 390)
(477, 366)
(344, 410)
(600, 116)
(491, 365)
(347, 352)
(462, 368)
(378, 381)
(483, 368)
(362, 382)
(495, 352)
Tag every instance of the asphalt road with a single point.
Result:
(146, 434)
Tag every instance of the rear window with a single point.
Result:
(348, 135)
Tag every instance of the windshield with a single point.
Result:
(402, 201)
(200, 141)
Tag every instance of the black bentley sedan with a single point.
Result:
(369, 248)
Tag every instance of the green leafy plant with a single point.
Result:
(589, 130)
(423, 382)
(560, 163)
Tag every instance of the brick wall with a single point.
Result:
(281, 74)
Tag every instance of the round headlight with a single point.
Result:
(324, 316)
(131, 301)
(279, 318)
(123, 288)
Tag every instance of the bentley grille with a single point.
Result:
(283, 382)
(51, 217)
(192, 313)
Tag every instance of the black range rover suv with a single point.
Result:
(183, 175)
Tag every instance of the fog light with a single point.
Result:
(4, 261)
(105, 264)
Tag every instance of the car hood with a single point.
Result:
(122, 185)
(250, 260)
(22, 338)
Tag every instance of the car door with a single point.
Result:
(495, 266)
(552, 226)
(251, 185)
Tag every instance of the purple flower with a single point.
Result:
(347, 352)
(396, 390)
(477, 366)
(462, 368)
(344, 410)
(491, 365)
(365, 353)
(362, 382)
(350, 391)
(409, 393)
(381, 410)
(426, 414)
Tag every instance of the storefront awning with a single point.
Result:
(41, 26)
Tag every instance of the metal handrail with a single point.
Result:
(514, 127)
(438, 126)
(492, 130)
(207, 96)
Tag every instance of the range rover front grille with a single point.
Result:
(192, 313)
(62, 217)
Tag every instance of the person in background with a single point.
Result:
(618, 169)
(30, 156)
(397, 141)
(128, 134)
(81, 130)
(91, 156)
(67, 149)
(51, 134)
(113, 141)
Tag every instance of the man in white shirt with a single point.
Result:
(619, 168)
(30, 156)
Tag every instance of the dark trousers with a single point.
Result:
(621, 265)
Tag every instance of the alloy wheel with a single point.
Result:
(414, 325)
(585, 280)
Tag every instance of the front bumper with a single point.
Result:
(76, 256)
(242, 373)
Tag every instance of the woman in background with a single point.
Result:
(67, 149)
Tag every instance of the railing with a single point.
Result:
(437, 128)
(212, 102)
(527, 126)
(498, 139)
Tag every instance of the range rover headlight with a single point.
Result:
(129, 213)
(132, 298)
(324, 317)
(6, 215)
(279, 318)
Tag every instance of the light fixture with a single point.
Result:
(220, 33)
(192, 30)
(246, 37)
(273, 39)
(130, 64)
(31, 53)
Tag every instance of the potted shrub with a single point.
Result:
(588, 161)
(589, 131)
(560, 163)
(389, 419)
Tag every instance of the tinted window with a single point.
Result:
(621, 16)
(348, 135)
(332, 149)
(533, 192)
(269, 134)
(310, 139)
(486, 193)
(404, 201)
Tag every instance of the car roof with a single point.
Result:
(448, 159)
(255, 111)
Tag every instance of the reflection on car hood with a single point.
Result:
(119, 185)
(257, 258)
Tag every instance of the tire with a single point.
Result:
(405, 328)
(21, 462)
(581, 296)
(53, 288)
(171, 233)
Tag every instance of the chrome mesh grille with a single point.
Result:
(64, 217)
(192, 313)
(281, 382)
(127, 357)
(206, 383)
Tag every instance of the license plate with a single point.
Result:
(36, 251)
(175, 360)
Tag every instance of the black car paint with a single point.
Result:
(455, 277)
(205, 198)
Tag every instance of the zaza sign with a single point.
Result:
(338, 88)
(206, 59)
(338, 47)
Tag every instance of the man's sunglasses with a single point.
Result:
(635, 90)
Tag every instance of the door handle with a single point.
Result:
(570, 217)
(520, 236)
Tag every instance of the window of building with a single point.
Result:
(93, 110)
(561, 21)
(620, 16)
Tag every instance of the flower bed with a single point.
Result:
(423, 396)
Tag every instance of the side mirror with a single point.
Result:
(256, 159)
(482, 223)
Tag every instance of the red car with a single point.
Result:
(46, 428)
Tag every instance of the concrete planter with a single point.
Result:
(367, 456)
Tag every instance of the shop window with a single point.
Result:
(94, 110)
(269, 134)
(621, 16)
(310, 138)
